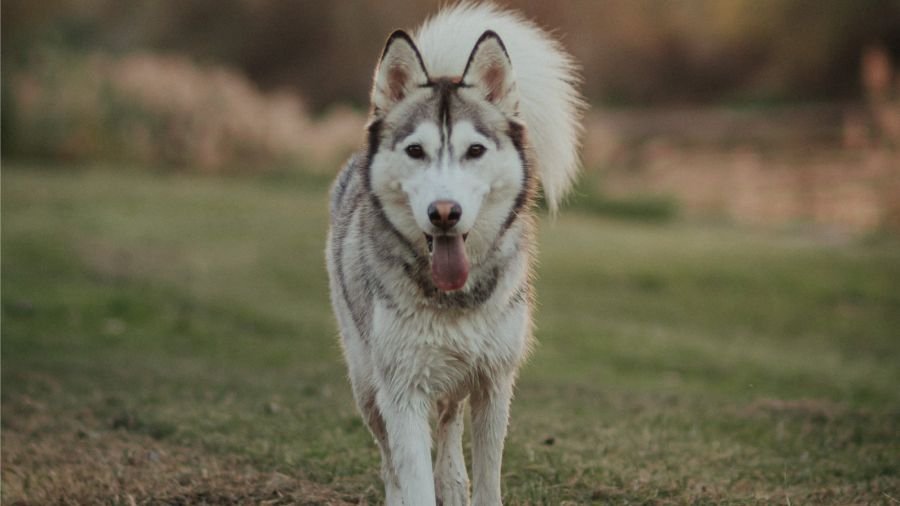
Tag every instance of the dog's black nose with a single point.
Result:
(444, 213)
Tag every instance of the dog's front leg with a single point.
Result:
(409, 437)
(451, 482)
(490, 415)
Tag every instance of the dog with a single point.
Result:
(432, 240)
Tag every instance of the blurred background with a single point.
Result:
(777, 113)
(718, 312)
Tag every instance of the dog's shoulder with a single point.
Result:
(346, 187)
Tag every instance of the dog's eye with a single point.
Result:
(415, 151)
(475, 151)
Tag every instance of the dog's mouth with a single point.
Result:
(449, 263)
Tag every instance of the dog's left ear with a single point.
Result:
(489, 69)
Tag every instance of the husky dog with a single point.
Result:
(432, 240)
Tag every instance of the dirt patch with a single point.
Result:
(80, 460)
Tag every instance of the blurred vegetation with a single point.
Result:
(590, 196)
(633, 51)
(164, 111)
(702, 108)
(654, 208)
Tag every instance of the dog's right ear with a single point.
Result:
(400, 71)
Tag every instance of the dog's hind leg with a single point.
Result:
(451, 481)
(490, 415)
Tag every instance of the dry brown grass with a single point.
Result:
(162, 109)
(77, 458)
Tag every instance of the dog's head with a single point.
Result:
(447, 156)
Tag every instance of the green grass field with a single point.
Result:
(167, 339)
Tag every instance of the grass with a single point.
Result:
(646, 208)
(168, 339)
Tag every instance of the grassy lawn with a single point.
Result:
(168, 339)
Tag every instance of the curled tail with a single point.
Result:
(546, 76)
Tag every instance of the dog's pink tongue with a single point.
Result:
(449, 264)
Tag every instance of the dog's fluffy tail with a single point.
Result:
(546, 76)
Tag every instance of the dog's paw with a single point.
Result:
(452, 492)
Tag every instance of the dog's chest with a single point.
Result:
(439, 353)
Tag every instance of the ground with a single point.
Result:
(167, 339)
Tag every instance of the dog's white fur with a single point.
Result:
(547, 78)
(410, 347)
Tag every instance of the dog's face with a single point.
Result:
(450, 167)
